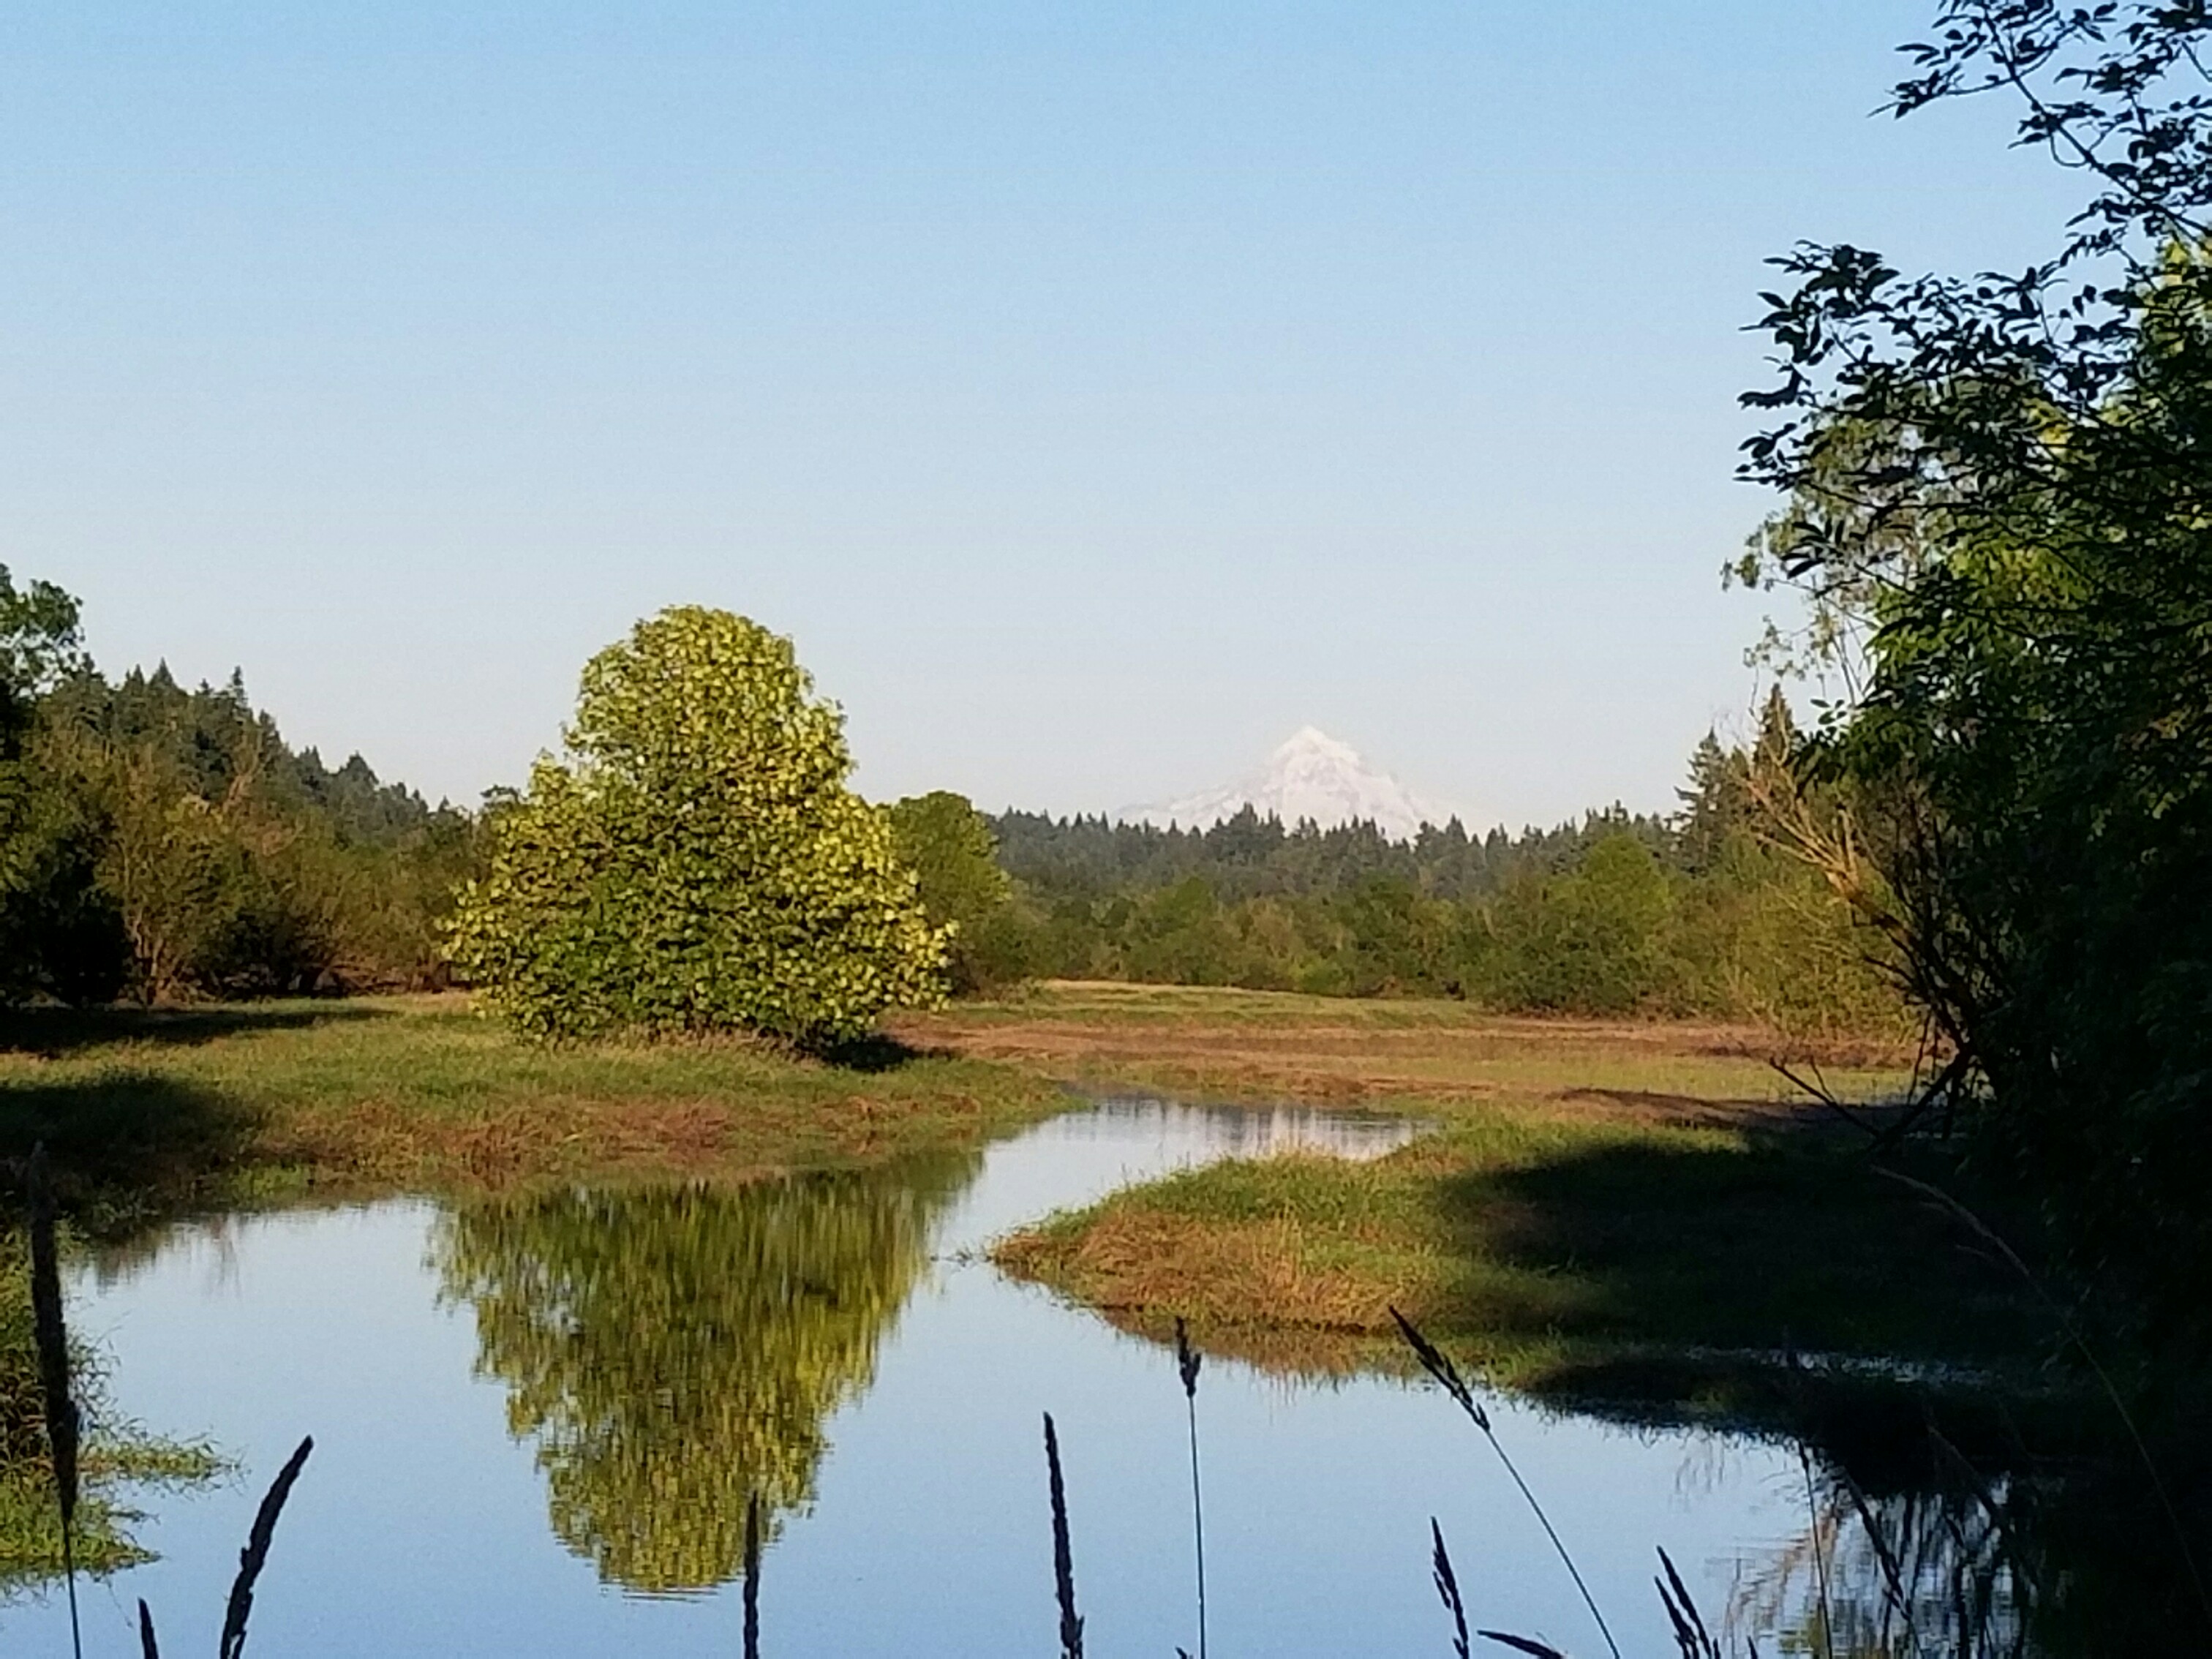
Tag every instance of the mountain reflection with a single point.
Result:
(672, 1351)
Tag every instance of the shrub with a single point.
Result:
(695, 863)
(948, 846)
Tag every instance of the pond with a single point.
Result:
(538, 1422)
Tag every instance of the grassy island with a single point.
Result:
(1602, 1209)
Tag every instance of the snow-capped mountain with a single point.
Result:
(1310, 776)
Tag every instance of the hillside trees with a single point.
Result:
(2000, 496)
(695, 862)
(1701, 913)
(234, 864)
(170, 844)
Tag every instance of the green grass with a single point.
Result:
(148, 1111)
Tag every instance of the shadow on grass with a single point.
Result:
(57, 1033)
(124, 1144)
(874, 1054)
(1704, 1271)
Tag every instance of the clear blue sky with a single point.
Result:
(1097, 392)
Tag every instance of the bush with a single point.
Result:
(948, 846)
(696, 863)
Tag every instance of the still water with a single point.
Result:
(537, 1423)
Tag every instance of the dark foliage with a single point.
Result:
(1999, 489)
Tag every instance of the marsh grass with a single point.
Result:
(60, 1490)
(61, 1516)
(1188, 1362)
(64, 1423)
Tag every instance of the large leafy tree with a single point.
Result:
(2001, 507)
(695, 862)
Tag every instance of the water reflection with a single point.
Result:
(672, 1351)
(1928, 1572)
(659, 1355)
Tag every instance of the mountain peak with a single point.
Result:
(1310, 776)
(1312, 740)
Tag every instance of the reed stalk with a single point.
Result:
(64, 1422)
(1063, 1558)
(1820, 1555)
(1187, 1361)
(1448, 1588)
(148, 1647)
(256, 1553)
(752, 1577)
(1438, 1366)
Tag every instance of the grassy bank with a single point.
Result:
(1602, 1211)
(262, 1101)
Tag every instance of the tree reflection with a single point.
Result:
(1917, 1546)
(1881, 1578)
(673, 1350)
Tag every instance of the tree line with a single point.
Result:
(1700, 913)
(161, 843)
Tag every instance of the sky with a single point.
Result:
(1096, 394)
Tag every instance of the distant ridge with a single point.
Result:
(1312, 776)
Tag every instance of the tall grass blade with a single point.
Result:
(1063, 1558)
(1439, 1366)
(1690, 1633)
(1521, 1643)
(256, 1553)
(1448, 1588)
(64, 1426)
(752, 1577)
(1819, 1554)
(148, 1647)
(1186, 1363)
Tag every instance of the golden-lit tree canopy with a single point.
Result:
(695, 862)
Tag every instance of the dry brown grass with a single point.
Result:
(1264, 1046)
